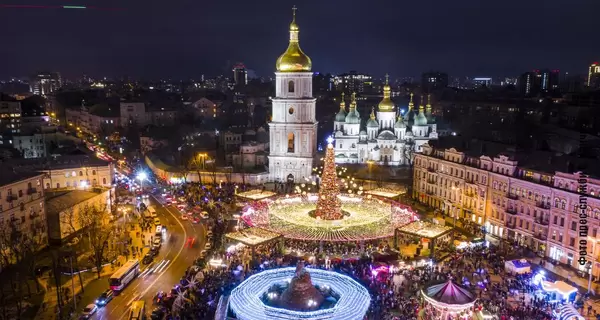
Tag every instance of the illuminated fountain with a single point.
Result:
(296, 293)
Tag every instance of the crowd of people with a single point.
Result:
(395, 293)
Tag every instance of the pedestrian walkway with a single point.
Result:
(140, 239)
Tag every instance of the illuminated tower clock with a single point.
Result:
(293, 129)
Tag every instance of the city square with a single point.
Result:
(361, 163)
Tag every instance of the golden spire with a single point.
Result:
(429, 101)
(294, 59)
(422, 104)
(373, 113)
(386, 103)
(343, 103)
(353, 101)
(411, 104)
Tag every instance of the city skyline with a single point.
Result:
(464, 38)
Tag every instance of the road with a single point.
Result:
(174, 258)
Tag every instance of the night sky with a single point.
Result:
(183, 38)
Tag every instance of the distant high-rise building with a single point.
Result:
(240, 75)
(482, 81)
(593, 80)
(539, 81)
(434, 80)
(10, 121)
(354, 82)
(44, 83)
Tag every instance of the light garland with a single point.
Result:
(256, 194)
(329, 206)
(252, 236)
(425, 229)
(385, 192)
(368, 219)
(245, 299)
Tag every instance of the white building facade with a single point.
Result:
(386, 138)
(293, 129)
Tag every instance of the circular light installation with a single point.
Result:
(367, 218)
(246, 304)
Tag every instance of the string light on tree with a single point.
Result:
(329, 206)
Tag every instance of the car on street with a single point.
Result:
(105, 298)
(156, 221)
(156, 243)
(153, 251)
(148, 258)
(184, 217)
(88, 311)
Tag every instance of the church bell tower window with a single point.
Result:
(291, 88)
(291, 143)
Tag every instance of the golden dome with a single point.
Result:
(294, 59)
(386, 103)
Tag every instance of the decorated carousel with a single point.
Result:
(329, 214)
(448, 301)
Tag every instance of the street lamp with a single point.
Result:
(203, 157)
(142, 176)
(370, 165)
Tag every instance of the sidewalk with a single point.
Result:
(50, 312)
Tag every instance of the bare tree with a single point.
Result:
(99, 231)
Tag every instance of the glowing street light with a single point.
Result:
(142, 176)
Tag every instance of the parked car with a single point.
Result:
(156, 221)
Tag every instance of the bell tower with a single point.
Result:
(293, 129)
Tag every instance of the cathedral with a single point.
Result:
(293, 126)
(389, 139)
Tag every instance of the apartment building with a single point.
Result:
(22, 205)
(74, 172)
(537, 208)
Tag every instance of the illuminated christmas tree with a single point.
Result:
(329, 206)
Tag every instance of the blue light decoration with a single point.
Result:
(245, 299)
(330, 140)
(402, 111)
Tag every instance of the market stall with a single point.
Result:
(517, 266)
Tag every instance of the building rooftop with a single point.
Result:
(57, 163)
(536, 160)
(8, 176)
(58, 201)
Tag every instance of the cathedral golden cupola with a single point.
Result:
(420, 119)
(372, 123)
(411, 104)
(386, 104)
(353, 117)
(294, 59)
(341, 115)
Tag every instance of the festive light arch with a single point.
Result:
(245, 299)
